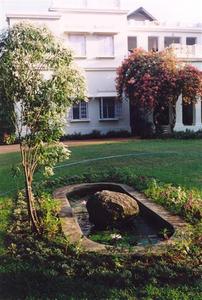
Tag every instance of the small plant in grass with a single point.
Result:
(177, 199)
(6, 206)
(47, 208)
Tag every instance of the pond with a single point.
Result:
(141, 231)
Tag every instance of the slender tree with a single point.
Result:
(39, 79)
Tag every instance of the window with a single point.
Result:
(80, 111)
(78, 43)
(153, 43)
(105, 45)
(190, 41)
(132, 42)
(188, 114)
(171, 40)
(109, 108)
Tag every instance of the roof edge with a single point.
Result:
(26, 15)
(142, 10)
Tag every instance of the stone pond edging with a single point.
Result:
(73, 231)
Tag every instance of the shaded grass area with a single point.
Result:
(6, 205)
(29, 281)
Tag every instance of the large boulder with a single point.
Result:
(107, 208)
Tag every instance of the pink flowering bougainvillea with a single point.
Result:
(154, 80)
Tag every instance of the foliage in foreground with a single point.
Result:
(6, 206)
(49, 267)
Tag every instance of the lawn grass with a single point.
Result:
(170, 161)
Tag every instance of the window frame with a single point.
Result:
(103, 55)
(81, 118)
(117, 109)
(77, 55)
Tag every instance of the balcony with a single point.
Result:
(187, 52)
(85, 4)
(166, 25)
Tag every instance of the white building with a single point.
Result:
(101, 35)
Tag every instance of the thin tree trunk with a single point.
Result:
(34, 221)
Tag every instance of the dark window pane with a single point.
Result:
(83, 108)
(132, 42)
(171, 40)
(152, 43)
(108, 108)
(190, 41)
(187, 114)
(76, 111)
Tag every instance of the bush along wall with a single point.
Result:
(7, 128)
(96, 134)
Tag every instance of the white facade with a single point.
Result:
(99, 34)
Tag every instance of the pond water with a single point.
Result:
(140, 232)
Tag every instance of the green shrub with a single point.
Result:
(96, 134)
(49, 215)
(178, 200)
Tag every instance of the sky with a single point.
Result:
(165, 10)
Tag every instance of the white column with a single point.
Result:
(198, 124)
(183, 40)
(142, 41)
(161, 42)
(179, 123)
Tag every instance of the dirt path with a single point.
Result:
(15, 148)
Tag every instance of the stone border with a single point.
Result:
(73, 231)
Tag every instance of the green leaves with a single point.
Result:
(38, 78)
(49, 155)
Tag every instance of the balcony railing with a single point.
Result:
(185, 51)
(153, 24)
(91, 4)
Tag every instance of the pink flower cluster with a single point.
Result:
(150, 79)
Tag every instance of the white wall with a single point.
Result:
(101, 72)
(95, 124)
(142, 36)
